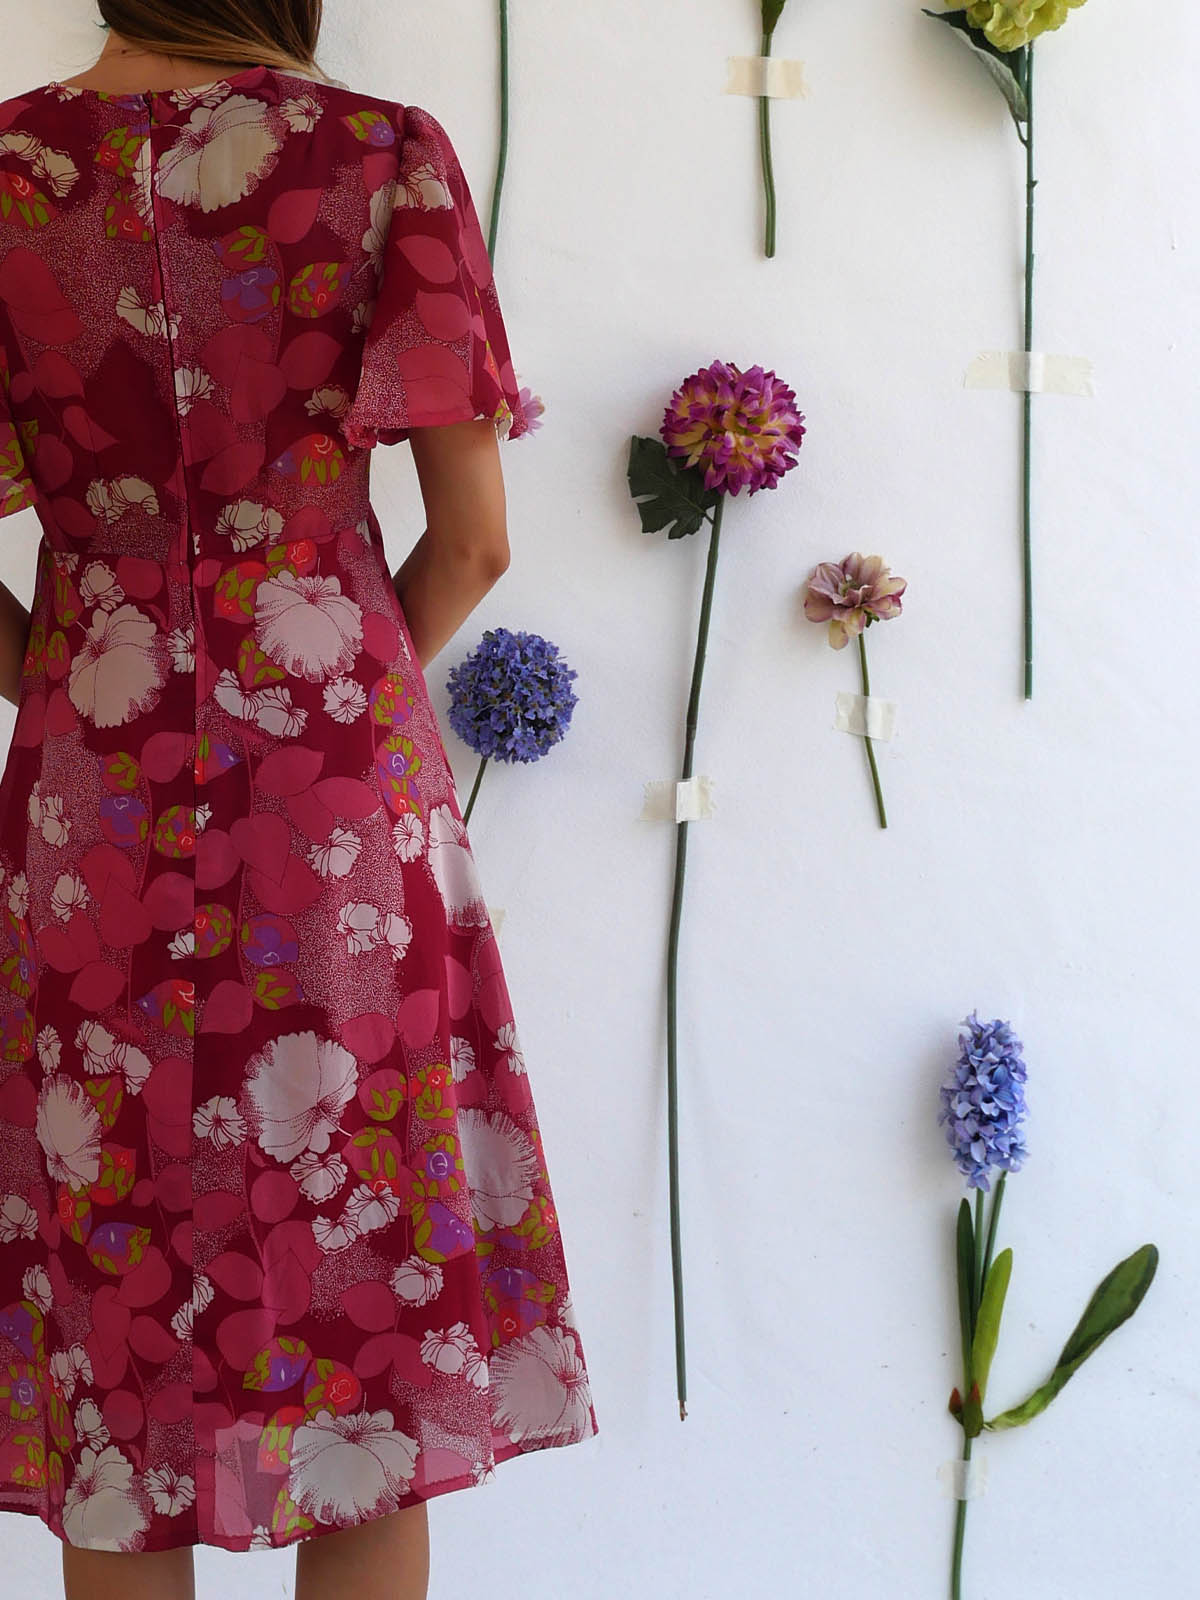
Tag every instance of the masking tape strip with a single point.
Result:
(1031, 371)
(668, 801)
(769, 75)
(871, 717)
(964, 1480)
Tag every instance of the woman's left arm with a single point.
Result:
(14, 638)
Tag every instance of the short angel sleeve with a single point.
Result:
(16, 486)
(436, 350)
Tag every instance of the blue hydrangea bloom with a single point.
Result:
(983, 1101)
(511, 699)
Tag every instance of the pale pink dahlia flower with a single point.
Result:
(851, 594)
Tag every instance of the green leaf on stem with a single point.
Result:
(966, 1280)
(1114, 1302)
(987, 1326)
(1006, 68)
(772, 10)
(668, 495)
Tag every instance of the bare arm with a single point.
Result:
(464, 549)
(456, 561)
(14, 635)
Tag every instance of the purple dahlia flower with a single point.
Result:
(743, 428)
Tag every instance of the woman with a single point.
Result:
(279, 1259)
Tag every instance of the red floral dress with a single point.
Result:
(278, 1249)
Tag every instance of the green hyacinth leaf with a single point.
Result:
(965, 1242)
(987, 1325)
(1006, 69)
(772, 10)
(1114, 1302)
(668, 495)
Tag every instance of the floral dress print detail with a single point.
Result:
(278, 1248)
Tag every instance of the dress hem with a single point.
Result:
(246, 1543)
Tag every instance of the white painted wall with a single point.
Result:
(1041, 861)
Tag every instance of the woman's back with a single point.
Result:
(279, 1251)
(192, 281)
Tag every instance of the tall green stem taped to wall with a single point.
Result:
(681, 836)
(772, 10)
(1012, 72)
(502, 159)
(1027, 395)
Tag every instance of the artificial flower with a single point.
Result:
(851, 594)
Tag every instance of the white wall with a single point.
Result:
(1040, 863)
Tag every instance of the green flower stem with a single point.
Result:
(866, 689)
(984, 1251)
(474, 790)
(693, 711)
(764, 132)
(989, 1248)
(499, 184)
(975, 1295)
(960, 1529)
(1027, 439)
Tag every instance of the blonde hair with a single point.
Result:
(276, 33)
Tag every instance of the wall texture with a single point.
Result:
(1040, 862)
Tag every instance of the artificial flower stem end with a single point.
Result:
(764, 134)
(502, 158)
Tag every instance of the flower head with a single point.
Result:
(1012, 24)
(851, 594)
(743, 428)
(511, 699)
(533, 406)
(983, 1101)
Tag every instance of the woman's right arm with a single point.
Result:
(464, 549)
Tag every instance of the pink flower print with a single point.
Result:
(346, 1469)
(217, 1120)
(335, 858)
(507, 1164)
(119, 669)
(219, 155)
(170, 1492)
(539, 1388)
(18, 1219)
(68, 1130)
(100, 1511)
(417, 1281)
(307, 625)
(297, 1088)
(447, 1349)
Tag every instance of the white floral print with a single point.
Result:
(220, 154)
(296, 1089)
(344, 1469)
(307, 624)
(119, 668)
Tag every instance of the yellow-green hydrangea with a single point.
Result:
(1010, 24)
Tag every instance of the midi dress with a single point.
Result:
(278, 1247)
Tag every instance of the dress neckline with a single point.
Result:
(248, 75)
